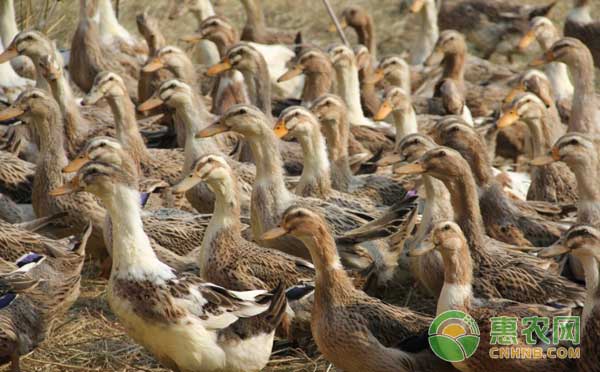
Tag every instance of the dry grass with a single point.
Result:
(89, 338)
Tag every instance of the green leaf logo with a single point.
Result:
(454, 336)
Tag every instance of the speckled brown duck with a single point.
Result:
(499, 273)
(256, 29)
(359, 19)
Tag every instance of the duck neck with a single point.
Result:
(349, 89)
(586, 172)
(337, 151)
(467, 213)
(544, 133)
(558, 75)
(585, 116)
(202, 10)
(108, 23)
(185, 72)
(259, 86)
(315, 179)
(457, 291)
(405, 121)
(132, 255)
(332, 284)
(592, 284)
(189, 113)
(8, 22)
(454, 66)
(255, 18)
(75, 125)
(316, 84)
(428, 34)
(127, 128)
(224, 40)
(366, 37)
(269, 165)
(226, 215)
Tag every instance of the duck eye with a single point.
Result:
(441, 154)
(446, 227)
(573, 142)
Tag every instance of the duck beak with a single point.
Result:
(384, 110)
(155, 64)
(91, 98)
(291, 73)
(194, 38)
(68, 188)
(507, 119)
(425, 248)
(280, 129)
(417, 5)
(212, 130)
(10, 113)
(8, 54)
(554, 250)
(433, 58)
(343, 25)
(544, 59)
(389, 160)
(224, 65)
(526, 40)
(275, 233)
(378, 75)
(515, 92)
(76, 164)
(548, 159)
(186, 184)
(150, 103)
(414, 168)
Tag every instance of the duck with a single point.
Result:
(451, 87)
(332, 113)
(229, 88)
(256, 30)
(11, 83)
(488, 25)
(32, 44)
(395, 72)
(506, 219)
(161, 164)
(89, 56)
(270, 197)
(226, 257)
(220, 31)
(180, 97)
(457, 295)
(585, 113)
(398, 103)
(10, 211)
(42, 116)
(422, 46)
(16, 177)
(499, 273)
(21, 66)
(175, 234)
(545, 32)
(553, 183)
(580, 153)
(352, 330)
(580, 25)
(299, 123)
(184, 322)
(316, 67)
(428, 268)
(582, 242)
(369, 97)
(38, 289)
(359, 19)
(80, 122)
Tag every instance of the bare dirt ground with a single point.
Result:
(89, 338)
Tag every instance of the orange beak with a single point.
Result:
(280, 129)
(8, 54)
(150, 103)
(194, 38)
(417, 5)
(507, 119)
(414, 168)
(545, 160)
(544, 59)
(155, 64)
(515, 92)
(291, 73)
(378, 75)
(67, 188)
(527, 40)
(275, 233)
(384, 110)
(10, 113)
(224, 65)
(212, 130)
(76, 164)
